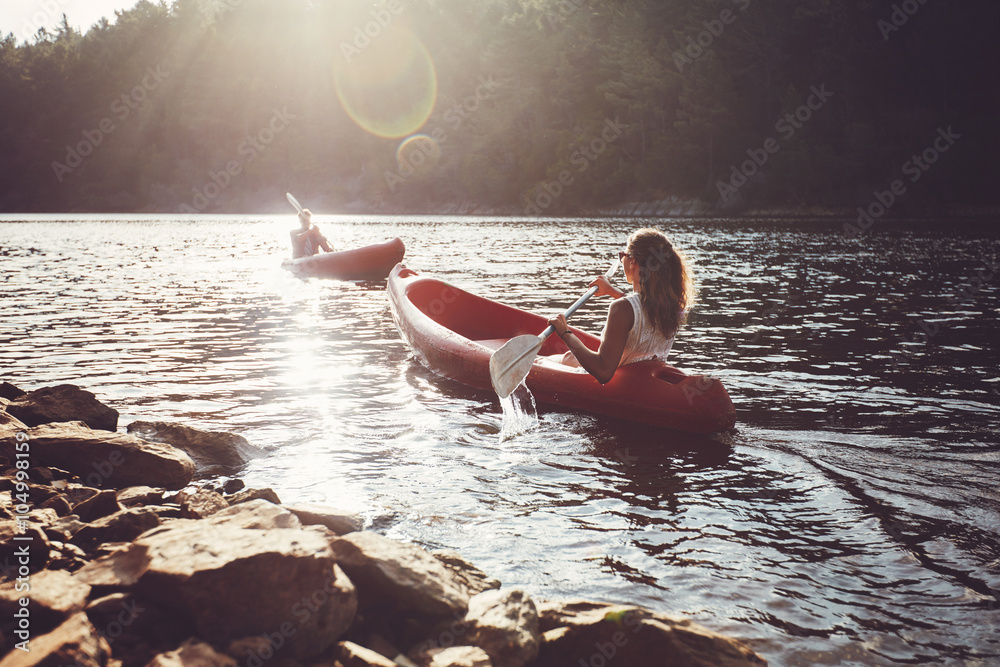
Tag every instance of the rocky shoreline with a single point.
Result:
(127, 550)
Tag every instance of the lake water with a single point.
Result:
(852, 518)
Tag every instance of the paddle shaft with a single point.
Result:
(549, 330)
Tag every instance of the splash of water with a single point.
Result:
(520, 414)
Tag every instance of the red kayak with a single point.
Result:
(454, 333)
(372, 262)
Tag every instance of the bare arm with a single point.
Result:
(603, 363)
(323, 243)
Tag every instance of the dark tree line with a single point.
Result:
(542, 106)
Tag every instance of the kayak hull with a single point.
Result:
(454, 333)
(371, 262)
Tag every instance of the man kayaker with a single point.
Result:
(643, 324)
(307, 240)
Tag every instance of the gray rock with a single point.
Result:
(76, 493)
(140, 495)
(350, 654)
(10, 426)
(13, 537)
(403, 575)
(74, 642)
(201, 503)
(340, 523)
(63, 403)
(193, 653)
(64, 528)
(254, 494)
(209, 450)
(232, 486)
(457, 656)
(575, 632)
(257, 514)
(107, 459)
(123, 526)
(55, 596)
(504, 623)
(99, 505)
(58, 504)
(471, 576)
(10, 392)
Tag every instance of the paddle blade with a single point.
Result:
(510, 364)
(294, 202)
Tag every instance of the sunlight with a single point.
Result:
(388, 84)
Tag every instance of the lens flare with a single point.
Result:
(387, 83)
(417, 154)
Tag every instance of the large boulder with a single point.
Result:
(236, 582)
(577, 633)
(107, 459)
(74, 642)
(400, 574)
(211, 451)
(63, 403)
(504, 623)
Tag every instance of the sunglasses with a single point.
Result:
(622, 255)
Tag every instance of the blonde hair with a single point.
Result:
(666, 285)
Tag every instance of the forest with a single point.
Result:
(522, 107)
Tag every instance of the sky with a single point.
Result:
(24, 17)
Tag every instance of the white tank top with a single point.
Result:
(645, 341)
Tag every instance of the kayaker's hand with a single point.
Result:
(560, 325)
(605, 288)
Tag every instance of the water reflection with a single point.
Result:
(853, 517)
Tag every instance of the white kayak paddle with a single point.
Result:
(294, 202)
(510, 364)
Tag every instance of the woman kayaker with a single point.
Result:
(642, 325)
(307, 240)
